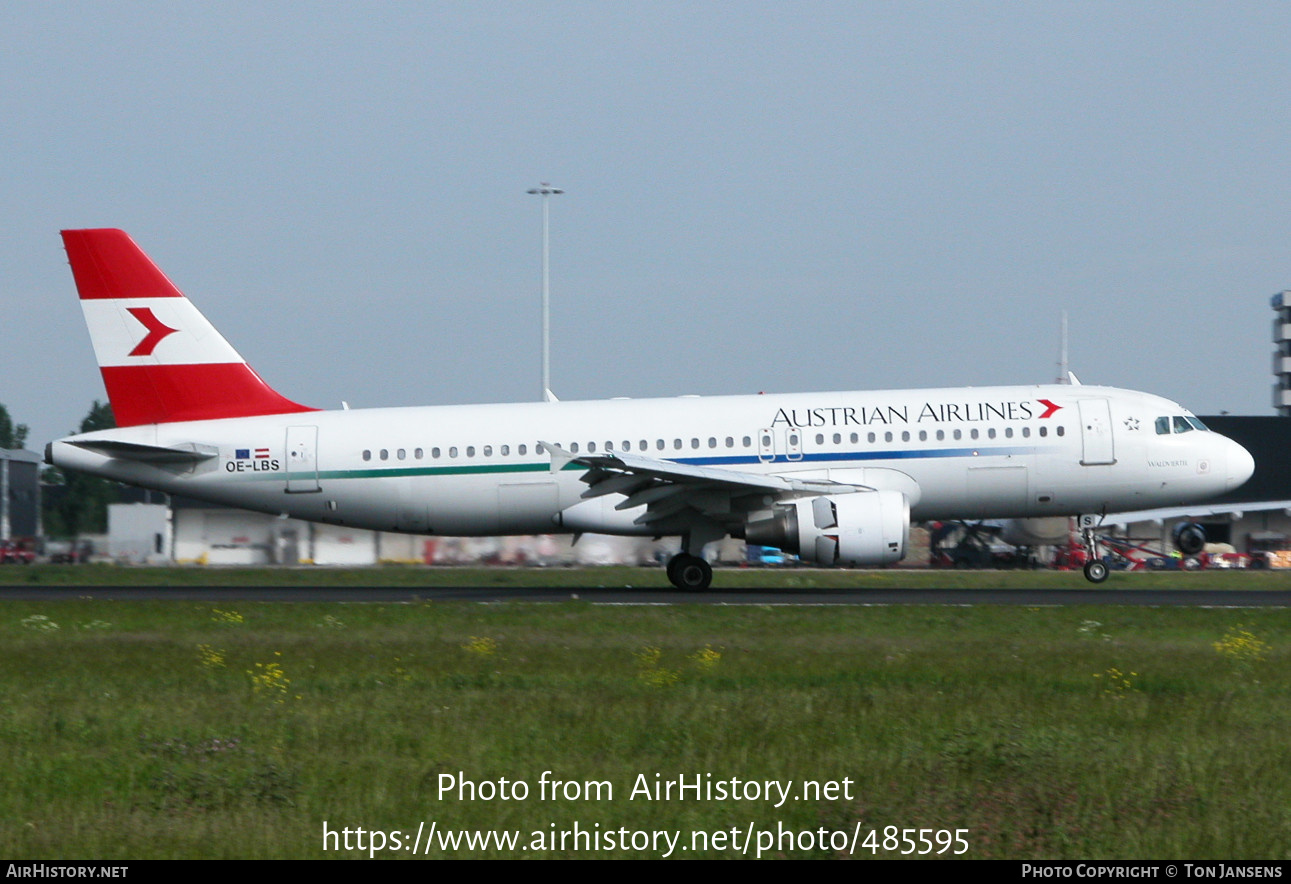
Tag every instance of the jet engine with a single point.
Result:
(1189, 538)
(864, 528)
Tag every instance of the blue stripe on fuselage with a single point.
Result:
(831, 456)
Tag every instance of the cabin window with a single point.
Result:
(730, 441)
(522, 448)
(452, 451)
(694, 443)
(504, 450)
(1060, 430)
(434, 452)
(1008, 432)
(887, 437)
(855, 438)
(838, 438)
(712, 441)
(385, 454)
(871, 437)
(1044, 431)
(1026, 432)
(418, 453)
(990, 434)
(659, 444)
(905, 435)
(367, 454)
(591, 447)
(972, 434)
(941, 435)
(923, 435)
(820, 438)
(401, 454)
(748, 443)
(676, 444)
(488, 450)
(959, 434)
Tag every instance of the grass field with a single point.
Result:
(134, 730)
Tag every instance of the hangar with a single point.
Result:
(19, 494)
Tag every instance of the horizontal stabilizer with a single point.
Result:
(154, 454)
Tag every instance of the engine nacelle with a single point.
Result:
(1189, 538)
(1046, 531)
(864, 528)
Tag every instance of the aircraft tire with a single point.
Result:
(671, 568)
(1095, 571)
(690, 573)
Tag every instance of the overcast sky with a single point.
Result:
(760, 196)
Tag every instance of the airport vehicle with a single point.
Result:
(16, 552)
(835, 478)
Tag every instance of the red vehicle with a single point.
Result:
(14, 552)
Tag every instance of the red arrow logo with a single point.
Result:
(156, 331)
(1049, 408)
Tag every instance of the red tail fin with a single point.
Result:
(162, 360)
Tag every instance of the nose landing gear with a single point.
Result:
(1095, 567)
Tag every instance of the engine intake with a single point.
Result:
(864, 528)
(1189, 538)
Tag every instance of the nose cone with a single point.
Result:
(1240, 466)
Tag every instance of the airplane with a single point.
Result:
(835, 478)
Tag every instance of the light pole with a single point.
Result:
(546, 191)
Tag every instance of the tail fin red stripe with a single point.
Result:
(159, 394)
(108, 264)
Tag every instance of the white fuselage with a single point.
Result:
(965, 453)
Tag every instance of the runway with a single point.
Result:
(1223, 598)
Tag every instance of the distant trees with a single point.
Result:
(99, 418)
(76, 503)
(11, 435)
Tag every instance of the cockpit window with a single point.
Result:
(1178, 424)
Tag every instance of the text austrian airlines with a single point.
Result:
(835, 478)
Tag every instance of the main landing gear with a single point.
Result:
(689, 572)
(1095, 567)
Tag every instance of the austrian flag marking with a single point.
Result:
(157, 330)
(252, 460)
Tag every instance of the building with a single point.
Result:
(19, 494)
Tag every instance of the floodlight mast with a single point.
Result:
(546, 191)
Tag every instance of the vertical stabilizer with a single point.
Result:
(162, 360)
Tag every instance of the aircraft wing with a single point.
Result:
(667, 488)
(1198, 511)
